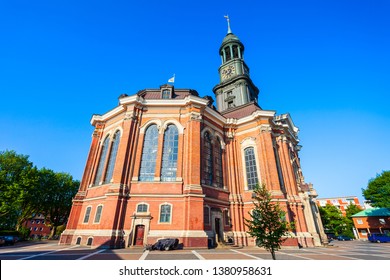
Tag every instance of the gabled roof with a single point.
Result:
(373, 212)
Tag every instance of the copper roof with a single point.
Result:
(241, 111)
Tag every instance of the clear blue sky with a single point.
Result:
(324, 62)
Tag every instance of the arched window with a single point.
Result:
(228, 54)
(251, 168)
(87, 214)
(165, 213)
(112, 157)
(149, 154)
(208, 160)
(218, 164)
(170, 151)
(102, 161)
(98, 214)
(142, 208)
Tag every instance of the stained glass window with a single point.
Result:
(218, 164)
(208, 160)
(251, 169)
(98, 214)
(149, 154)
(112, 157)
(87, 214)
(170, 152)
(102, 161)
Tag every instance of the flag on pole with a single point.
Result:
(172, 80)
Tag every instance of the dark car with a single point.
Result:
(166, 244)
(379, 237)
(344, 238)
(8, 240)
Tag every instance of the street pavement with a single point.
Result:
(338, 250)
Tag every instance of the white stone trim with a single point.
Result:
(158, 122)
(176, 233)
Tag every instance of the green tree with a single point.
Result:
(332, 219)
(351, 210)
(268, 221)
(25, 190)
(18, 181)
(56, 193)
(378, 190)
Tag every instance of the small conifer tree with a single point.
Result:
(268, 221)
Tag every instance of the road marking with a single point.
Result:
(90, 255)
(144, 255)
(337, 255)
(294, 255)
(238, 252)
(21, 249)
(47, 253)
(197, 255)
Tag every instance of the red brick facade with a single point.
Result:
(135, 212)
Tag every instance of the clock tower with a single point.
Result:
(235, 87)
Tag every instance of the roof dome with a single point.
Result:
(230, 37)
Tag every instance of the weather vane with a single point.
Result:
(228, 22)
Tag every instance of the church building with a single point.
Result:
(167, 163)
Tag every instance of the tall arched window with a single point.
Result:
(87, 214)
(112, 157)
(102, 161)
(251, 168)
(208, 160)
(149, 154)
(98, 214)
(218, 164)
(170, 152)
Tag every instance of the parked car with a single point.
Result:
(165, 244)
(9, 240)
(344, 238)
(379, 237)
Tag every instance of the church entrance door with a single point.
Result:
(139, 235)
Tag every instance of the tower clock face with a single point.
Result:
(228, 72)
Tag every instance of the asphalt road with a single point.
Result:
(339, 250)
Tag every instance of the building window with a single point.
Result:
(363, 232)
(231, 104)
(112, 157)
(208, 160)
(251, 168)
(166, 94)
(142, 208)
(87, 214)
(149, 154)
(170, 152)
(226, 217)
(98, 214)
(359, 221)
(102, 161)
(227, 53)
(218, 164)
(206, 215)
(278, 166)
(165, 213)
(235, 51)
